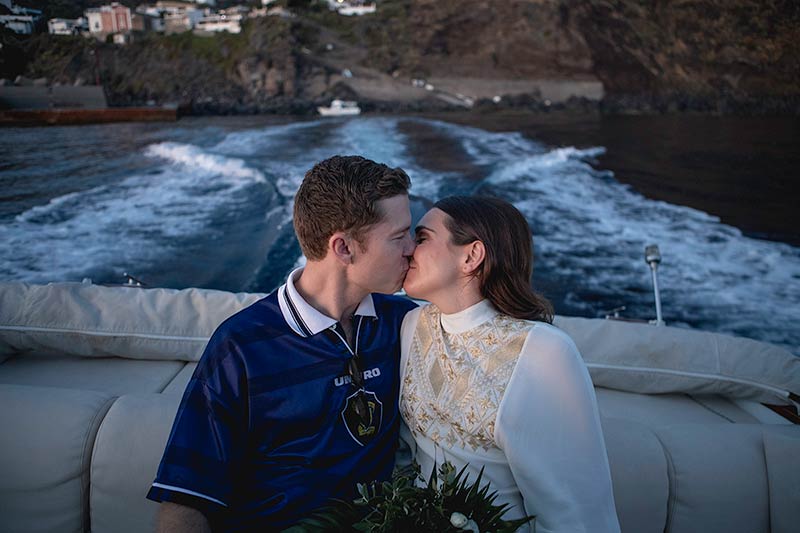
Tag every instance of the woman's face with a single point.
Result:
(435, 268)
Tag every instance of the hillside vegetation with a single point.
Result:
(737, 56)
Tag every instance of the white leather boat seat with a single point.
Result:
(91, 378)
(656, 410)
(127, 451)
(112, 375)
(46, 445)
(178, 384)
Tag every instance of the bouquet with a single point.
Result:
(448, 503)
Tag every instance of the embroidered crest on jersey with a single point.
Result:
(363, 431)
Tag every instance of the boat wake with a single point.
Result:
(213, 193)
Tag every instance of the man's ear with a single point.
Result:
(476, 253)
(340, 245)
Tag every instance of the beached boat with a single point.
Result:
(340, 108)
(697, 425)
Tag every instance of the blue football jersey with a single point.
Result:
(266, 431)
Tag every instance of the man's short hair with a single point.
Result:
(342, 194)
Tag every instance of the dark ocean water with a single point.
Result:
(207, 202)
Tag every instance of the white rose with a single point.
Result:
(458, 520)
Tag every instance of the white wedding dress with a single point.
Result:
(514, 397)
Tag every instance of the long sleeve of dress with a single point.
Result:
(548, 426)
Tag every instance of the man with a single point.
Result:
(295, 398)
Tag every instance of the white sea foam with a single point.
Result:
(285, 152)
(270, 140)
(288, 151)
(193, 157)
(51, 207)
(125, 225)
(380, 139)
(590, 230)
(594, 230)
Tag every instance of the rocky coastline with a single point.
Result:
(720, 57)
(628, 104)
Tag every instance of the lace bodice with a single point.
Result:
(454, 382)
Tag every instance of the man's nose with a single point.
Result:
(411, 245)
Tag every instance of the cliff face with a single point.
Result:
(479, 38)
(740, 47)
(705, 47)
(696, 51)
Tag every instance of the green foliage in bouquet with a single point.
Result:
(448, 503)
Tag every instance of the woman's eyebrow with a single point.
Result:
(420, 229)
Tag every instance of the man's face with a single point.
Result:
(380, 265)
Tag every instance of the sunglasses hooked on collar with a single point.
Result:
(358, 404)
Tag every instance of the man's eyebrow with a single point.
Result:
(401, 231)
(420, 229)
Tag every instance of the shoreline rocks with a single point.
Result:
(627, 104)
(718, 57)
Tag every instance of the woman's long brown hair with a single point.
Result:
(505, 274)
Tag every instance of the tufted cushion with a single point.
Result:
(638, 474)
(94, 321)
(656, 360)
(782, 451)
(112, 375)
(179, 382)
(46, 442)
(718, 478)
(126, 456)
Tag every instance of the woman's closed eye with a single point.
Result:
(420, 239)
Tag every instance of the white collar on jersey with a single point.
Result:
(302, 317)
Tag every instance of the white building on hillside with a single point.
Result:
(17, 18)
(176, 17)
(67, 26)
(174, 6)
(220, 22)
(181, 21)
(104, 20)
(352, 7)
(148, 18)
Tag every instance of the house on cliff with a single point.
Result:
(179, 17)
(109, 19)
(220, 22)
(59, 26)
(352, 7)
(18, 19)
(147, 18)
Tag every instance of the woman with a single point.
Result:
(488, 382)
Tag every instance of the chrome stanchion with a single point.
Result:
(653, 257)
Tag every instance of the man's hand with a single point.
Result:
(175, 518)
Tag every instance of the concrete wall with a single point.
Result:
(64, 96)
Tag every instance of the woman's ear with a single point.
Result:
(339, 245)
(476, 253)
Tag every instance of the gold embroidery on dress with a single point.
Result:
(454, 383)
(437, 378)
